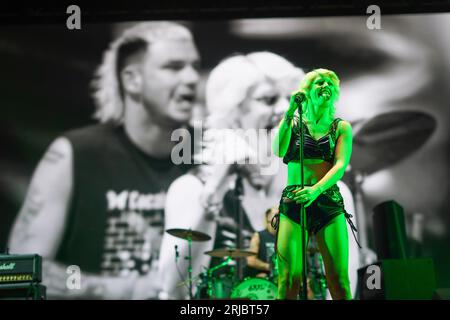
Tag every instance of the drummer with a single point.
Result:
(263, 244)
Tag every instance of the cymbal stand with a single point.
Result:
(190, 266)
(239, 193)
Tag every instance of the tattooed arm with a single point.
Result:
(41, 221)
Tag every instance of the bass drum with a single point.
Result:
(255, 289)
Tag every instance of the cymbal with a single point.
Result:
(189, 234)
(388, 138)
(229, 252)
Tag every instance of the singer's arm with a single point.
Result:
(342, 157)
(280, 143)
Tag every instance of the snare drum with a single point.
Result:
(255, 289)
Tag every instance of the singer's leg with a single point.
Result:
(332, 241)
(289, 257)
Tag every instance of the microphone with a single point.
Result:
(299, 98)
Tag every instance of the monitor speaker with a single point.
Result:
(389, 231)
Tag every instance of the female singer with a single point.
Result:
(327, 151)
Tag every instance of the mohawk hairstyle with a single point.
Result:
(107, 88)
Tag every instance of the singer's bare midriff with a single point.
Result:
(313, 171)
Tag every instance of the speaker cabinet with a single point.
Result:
(23, 291)
(397, 279)
(389, 231)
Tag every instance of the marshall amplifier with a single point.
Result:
(20, 268)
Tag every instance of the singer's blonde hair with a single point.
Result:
(310, 77)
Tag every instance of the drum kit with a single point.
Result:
(212, 284)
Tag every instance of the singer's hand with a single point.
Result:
(293, 103)
(299, 97)
(307, 195)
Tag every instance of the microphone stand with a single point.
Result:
(303, 290)
(189, 258)
(239, 192)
